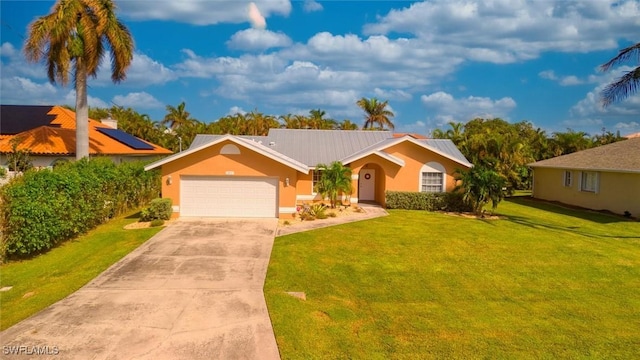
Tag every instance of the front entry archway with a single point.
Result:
(367, 185)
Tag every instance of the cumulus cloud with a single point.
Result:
(70, 99)
(509, 31)
(255, 17)
(311, 6)
(136, 100)
(236, 110)
(255, 39)
(392, 94)
(447, 108)
(18, 90)
(143, 71)
(7, 50)
(202, 12)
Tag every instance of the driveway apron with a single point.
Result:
(193, 291)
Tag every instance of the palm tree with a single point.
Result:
(479, 186)
(176, 116)
(73, 39)
(334, 179)
(628, 83)
(376, 113)
(346, 124)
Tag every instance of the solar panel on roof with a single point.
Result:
(127, 139)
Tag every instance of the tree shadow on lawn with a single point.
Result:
(583, 214)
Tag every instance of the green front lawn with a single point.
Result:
(43, 280)
(545, 282)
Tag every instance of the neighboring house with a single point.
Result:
(606, 177)
(268, 176)
(49, 134)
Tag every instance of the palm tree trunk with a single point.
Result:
(82, 111)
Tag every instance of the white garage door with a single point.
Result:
(228, 196)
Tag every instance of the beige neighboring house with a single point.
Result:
(601, 178)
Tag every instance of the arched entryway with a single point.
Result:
(371, 184)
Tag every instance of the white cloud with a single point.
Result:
(508, 31)
(255, 17)
(7, 50)
(570, 80)
(70, 99)
(200, 12)
(311, 6)
(143, 71)
(254, 39)
(548, 74)
(136, 100)
(236, 110)
(392, 94)
(16, 89)
(447, 108)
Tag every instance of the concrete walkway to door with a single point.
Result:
(193, 291)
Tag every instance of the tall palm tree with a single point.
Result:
(376, 112)
(176, 116)
(73, 39)
(628, 83)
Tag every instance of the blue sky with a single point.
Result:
(434, 61)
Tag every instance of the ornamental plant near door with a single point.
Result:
(335, 179)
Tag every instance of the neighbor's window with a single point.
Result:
(316, 175)
(589, 181)
(568, 179)
(432, 182)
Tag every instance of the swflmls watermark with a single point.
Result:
(30, 350)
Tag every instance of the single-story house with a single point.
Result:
(49, 134)
(269, 176)
(606, 177)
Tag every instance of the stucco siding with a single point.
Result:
(408, 178)
(209, 162)
(617, 192)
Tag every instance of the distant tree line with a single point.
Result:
(178, 128)
(507, 148)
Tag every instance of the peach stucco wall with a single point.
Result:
(407, 177)
(617, 192)
(210, 162)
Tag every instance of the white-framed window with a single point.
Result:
(315, 178)
(568, 178)
(589, 181)
(432, 178)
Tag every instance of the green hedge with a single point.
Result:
(44, 207)
(408, 200)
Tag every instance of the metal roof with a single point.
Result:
(313, 147)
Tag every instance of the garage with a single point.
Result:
(215, 196)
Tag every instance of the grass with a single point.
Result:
(545, 282)
(47, 278)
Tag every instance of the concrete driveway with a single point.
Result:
(193, 291)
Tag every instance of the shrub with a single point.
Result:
(156, 222)
(158, 209)
(426, 201)
(43, 208)
(3, 172)
(318, 211)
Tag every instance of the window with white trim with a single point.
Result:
(315, 178)
(432, 178)
(568, 178)
(431, 182)
(589, 181)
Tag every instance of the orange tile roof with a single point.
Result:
(634, 135)
(61, 139)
